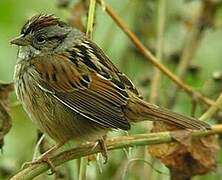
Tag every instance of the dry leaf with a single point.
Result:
(5, 119)
(186, 157)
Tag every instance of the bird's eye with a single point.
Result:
(40, 39)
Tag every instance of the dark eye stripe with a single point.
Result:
(55, 37)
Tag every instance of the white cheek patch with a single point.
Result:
(25, 52)
(21, 53)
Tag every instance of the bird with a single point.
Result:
(72, 91)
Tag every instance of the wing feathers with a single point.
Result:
(84, 91)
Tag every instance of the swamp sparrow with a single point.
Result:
(71, 89)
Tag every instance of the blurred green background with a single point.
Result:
(141, 16)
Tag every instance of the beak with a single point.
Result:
(20, 41)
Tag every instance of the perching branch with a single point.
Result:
(113, 143)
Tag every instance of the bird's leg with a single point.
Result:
(40, 140)
(45, 158)
(102, 145)
(103, 148)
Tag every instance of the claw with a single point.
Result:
(102, 145)
(44, 158)
(104, 151)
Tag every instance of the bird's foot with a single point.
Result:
(41, 159)
(102, 145)
(103, 148)
(44, 158)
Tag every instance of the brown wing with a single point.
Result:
(80, 88)
(101, 63)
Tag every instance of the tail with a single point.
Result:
(138, 110)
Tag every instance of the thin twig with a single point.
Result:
(149, 56)
(82, 168)
(89, 34)
(155, 83)
(113, 143)
(90, 22)
(156, 80)
(192, 41)
(212, 110)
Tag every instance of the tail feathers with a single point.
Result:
(147, 111)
